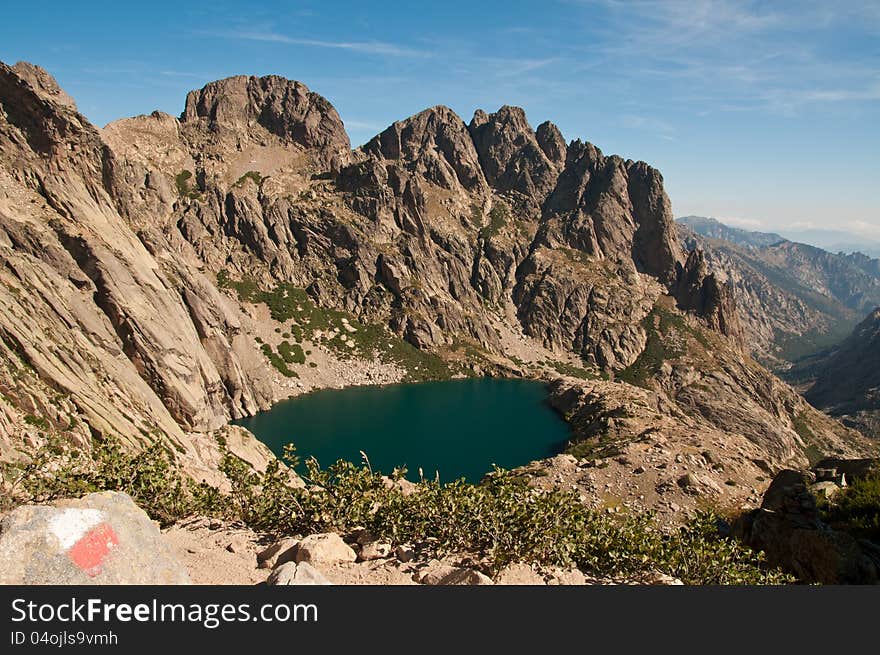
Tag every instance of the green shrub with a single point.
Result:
(502, 519)
(856, 508)
(150, 477)
(291, 353)
(498, 217)
(183, 181)
(278, 361)
(254, 176)
(36, 421)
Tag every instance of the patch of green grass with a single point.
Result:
(666, 332)
(36, 421)
(277, 361)
(338, 331)
(185, 189)
(578, 256)
(476, 214)
(253, 176)
(856, 508)
(563, 368)
(498, 218)
(291, 353)
(247, 289)
(805, 432)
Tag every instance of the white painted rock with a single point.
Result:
(102, 538)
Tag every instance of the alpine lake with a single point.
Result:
(452, 429)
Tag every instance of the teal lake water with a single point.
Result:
(458, 427)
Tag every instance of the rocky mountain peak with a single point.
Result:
(701, 291)
(510, 155)
(552, 143)
(285, 108)
(435, 143)
(43, 83)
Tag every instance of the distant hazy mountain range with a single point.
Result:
(831, 240)
(715, 229)
(803, 312)
(794, 299)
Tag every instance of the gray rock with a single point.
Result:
(102, 538)
(404, 553)
(826, 488)
(465, 577)
(433, 573)
(519, 574)
(293, 573)
(375, 550)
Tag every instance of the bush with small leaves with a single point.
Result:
(502, 519)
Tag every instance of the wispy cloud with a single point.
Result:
(778, 57)
(363, 126)
(364, 47)
(658, 127)
(188, 75)
(511, 66)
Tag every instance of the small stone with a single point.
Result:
(559, 576)
(466, 577)
(324, 548)
(292, 573)
(404, 553)
(375, 550)
(278, 553)
(519, 574)
(826, 488)
(433, 573)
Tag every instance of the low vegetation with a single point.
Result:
(278, 361)
(856, 508)
(253, 176)
(667, 333)
(185, 188)
(502, 519)
(339, 332)
(498, 219)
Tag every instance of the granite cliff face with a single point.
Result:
(156, 271)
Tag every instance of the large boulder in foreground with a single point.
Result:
(102, 538)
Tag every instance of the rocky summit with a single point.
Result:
(164, 275)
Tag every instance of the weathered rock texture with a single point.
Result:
(102, 538)
(462, 240)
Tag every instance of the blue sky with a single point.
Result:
(763, 114)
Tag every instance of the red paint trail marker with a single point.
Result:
(85, 536)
